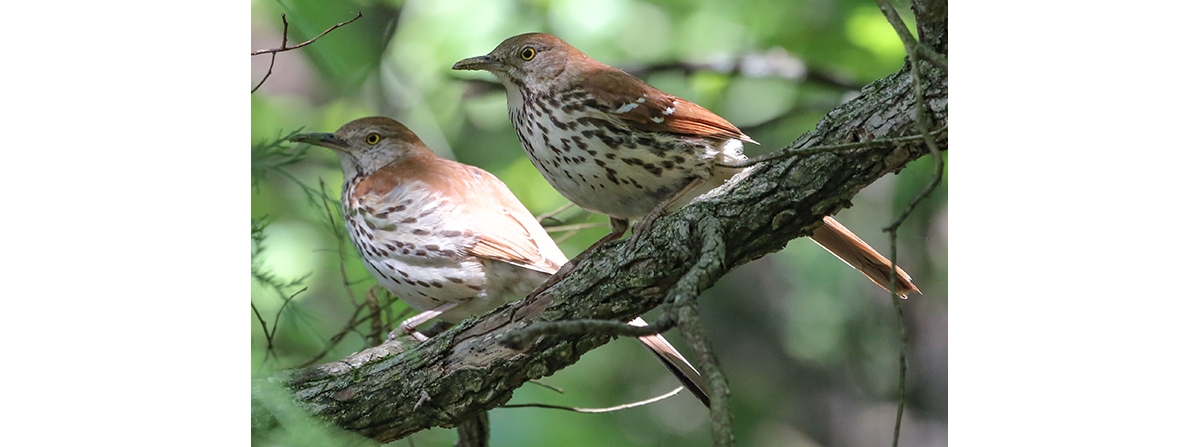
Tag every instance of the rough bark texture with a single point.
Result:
(395, 389)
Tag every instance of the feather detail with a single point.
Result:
(646, 108)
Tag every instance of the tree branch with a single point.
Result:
(466, 370)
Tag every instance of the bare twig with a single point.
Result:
(917, 52)
(911, 45)
(263, 323)
(547, 386)
(575, 227)
(923, 125)
(283, 46)
(599, 410)
(337, 338)
(551, 216)
(266, 278)
(270, 334)
(272, 66)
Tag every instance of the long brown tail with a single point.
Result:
(849, 248)
(675, 362)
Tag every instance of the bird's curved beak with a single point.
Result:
(322, 139)
(486, 62)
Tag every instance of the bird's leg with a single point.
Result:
(659, 210)
(409, 326)
(618, 225)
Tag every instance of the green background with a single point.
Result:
(809, 346)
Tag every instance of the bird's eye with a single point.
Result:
(373, 138)
(528, 53)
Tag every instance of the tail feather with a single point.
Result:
(853, 251)
(675, 362)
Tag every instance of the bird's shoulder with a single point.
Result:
(643, 107)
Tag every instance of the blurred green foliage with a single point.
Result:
(809, 345)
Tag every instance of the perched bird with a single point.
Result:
(449, 239)
(613, 144)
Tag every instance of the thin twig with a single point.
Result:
(305, 43)
(275, 324)
(565, 236)
(598, 410)
(922, 125)
(283, 46)
(903, 379)
(555, 212)
(574, 227)
(548, 386)
(916, 52)
(272, 66)
(263, 323)
(287, 300)
(911, 45)
(336, 338)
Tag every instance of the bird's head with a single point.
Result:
(368, 144)
(531, 62)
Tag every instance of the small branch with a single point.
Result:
(682, 296)
(272, 66)
(274, 324)
(283, 46)
(336, 338)
(930, 144)
(474, 431)
(914, 48)
(903, 379)
(599, 410)
(574, 227)
(917, 52)
(551, 216)
(773, 63)
(708, 268)
(263, 323)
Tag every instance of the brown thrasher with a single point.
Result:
(615, 145)
(449, 239)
